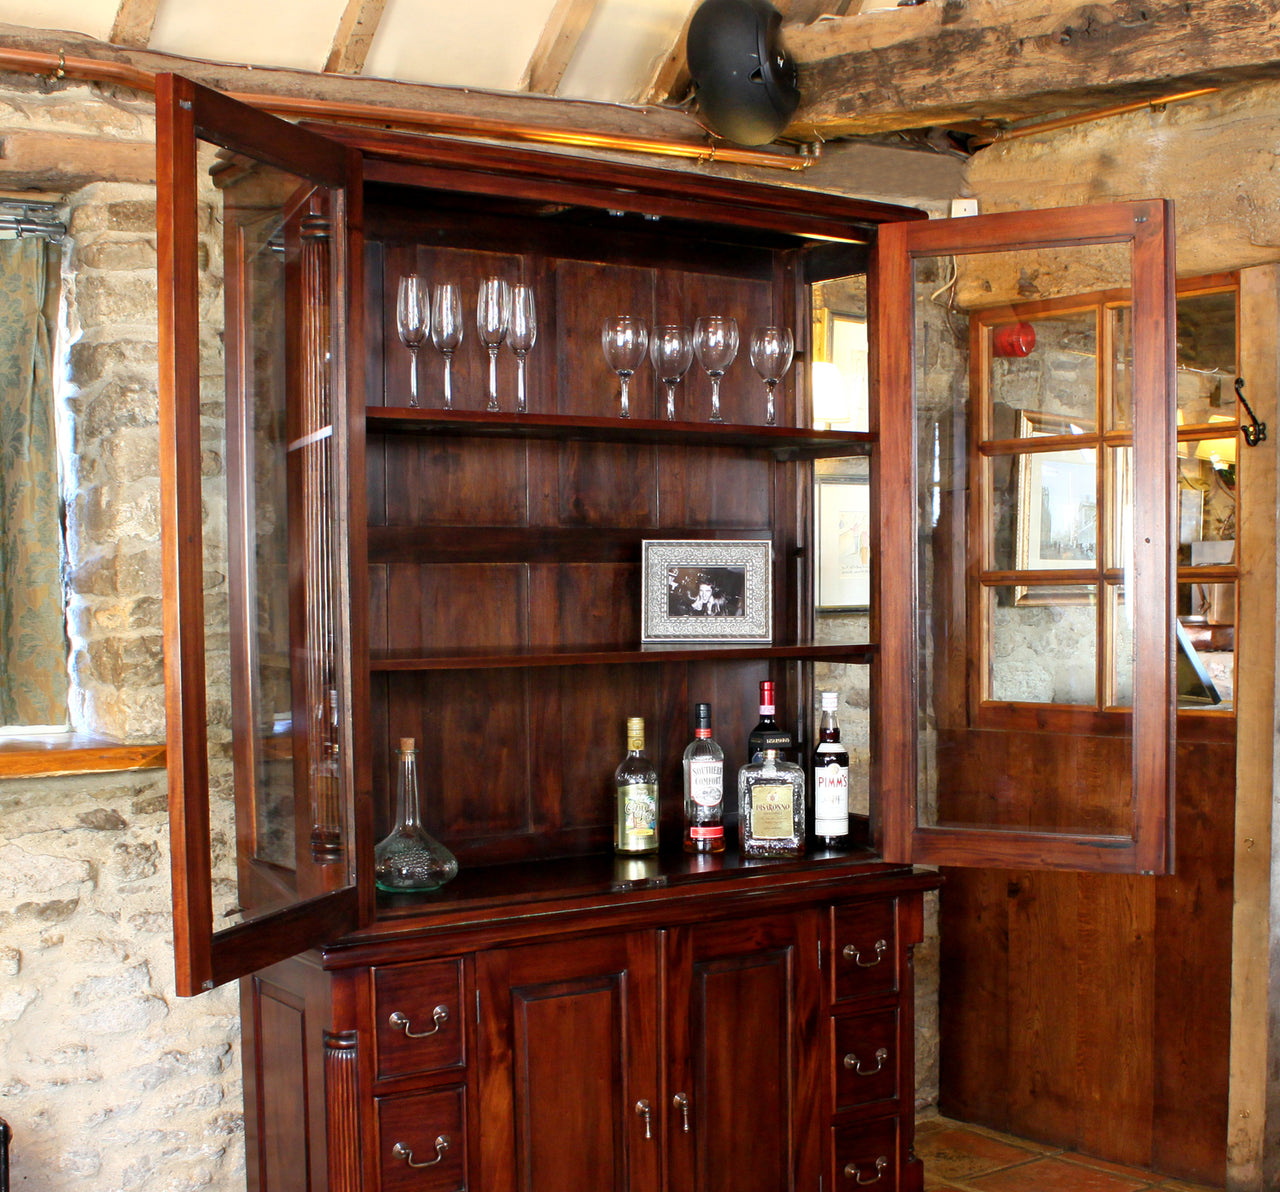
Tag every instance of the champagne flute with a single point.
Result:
(446, 331)
(771, 351)
(413, 321)
(672, 352)
(624, 340)
(493, 315)
(523, 333)
(715, 340)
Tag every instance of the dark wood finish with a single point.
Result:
(1093, 1011)
(568, 1049)
(867, 951)
(1135, 834)
(429, 1130)
(742, 1027)
(420, 1018)
(866, 1155)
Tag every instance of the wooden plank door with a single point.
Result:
(744, 1110)
(570, 1084)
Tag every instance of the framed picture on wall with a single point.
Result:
(843, 511)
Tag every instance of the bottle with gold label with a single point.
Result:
(636, 780)
(771, 807)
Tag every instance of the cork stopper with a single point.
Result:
(406, 744)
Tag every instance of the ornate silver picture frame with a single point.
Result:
(706, 591)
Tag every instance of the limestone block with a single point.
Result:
(128, 662)
(130, 366)
(124, 573)
(107, 300)
(117, 255)
(121, 215)
(29, 876)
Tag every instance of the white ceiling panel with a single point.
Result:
(272, 33)
(621, 46)
(91, 17)
(483, 43)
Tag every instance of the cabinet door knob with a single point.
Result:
(852, 952)
(643, 1110)
(853, 1172)
(852, 1061)
(400, 1022)
(406, 1153)
(681, 1102)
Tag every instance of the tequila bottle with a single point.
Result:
(771, 807)
(637, 786)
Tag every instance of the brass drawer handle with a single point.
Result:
(400, 1022)
(851, 952)
(853, 1172)
(406, 1153)
(852, 1061)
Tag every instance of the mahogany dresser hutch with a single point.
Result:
(343, 569)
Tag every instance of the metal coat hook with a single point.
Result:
(1257, 431)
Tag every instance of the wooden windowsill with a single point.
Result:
(49, 754)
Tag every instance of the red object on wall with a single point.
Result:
(1013, 339)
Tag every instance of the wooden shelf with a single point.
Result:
(525, 657)
(784, 442)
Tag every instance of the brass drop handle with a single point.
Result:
(400, 1022)
(406, 1153)
(852, 1061)
(643, 1110)
(681, 1102)
(852, 952)
(853, 1172)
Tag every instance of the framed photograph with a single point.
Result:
(843, 511)
(707, 591)
(1057, 512)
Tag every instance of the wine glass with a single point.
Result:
(446, 331)
(625, 339)
(771, 350)
(715, 340)
(672, 352)
(523, 333)
(413, 321)
(493, 315)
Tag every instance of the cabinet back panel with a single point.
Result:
(442, 605)
(518, 764)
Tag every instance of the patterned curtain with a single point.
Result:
(33, 635)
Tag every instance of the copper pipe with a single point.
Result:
(1027, 130)
(58, 66)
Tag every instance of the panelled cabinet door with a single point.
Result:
(570, 1082)
(1026, 679)
(744, 1077)
(256, 261)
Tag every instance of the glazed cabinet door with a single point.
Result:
(570, 1081)
(256, 261)
(1026, 493)
(744, 1105)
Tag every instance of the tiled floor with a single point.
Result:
(960, 1158)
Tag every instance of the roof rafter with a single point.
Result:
(354, 36)
(133, 24)
(557, 45)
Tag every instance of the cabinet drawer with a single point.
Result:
(418, 1017)
(865, 1056)
(866, 1155)
(422, 1144)
(865, 938)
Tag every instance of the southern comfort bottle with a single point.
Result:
(703, 788)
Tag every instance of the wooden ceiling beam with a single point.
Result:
(941, 64)
(557, 45)
(355, 33)
(133, 24)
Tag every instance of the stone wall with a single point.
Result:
(110, 1081)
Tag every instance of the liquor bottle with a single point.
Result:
(830, 779)
(771, 807)
(767, 734)
(703, 788)
(637, 784)
(409, 860)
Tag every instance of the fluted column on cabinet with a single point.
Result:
(342, 1114)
